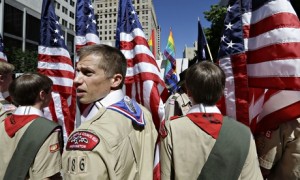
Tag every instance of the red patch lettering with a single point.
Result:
(82, 140)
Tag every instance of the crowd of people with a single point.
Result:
(117, 138)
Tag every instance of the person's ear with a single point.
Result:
(42, 94)
(116, 80)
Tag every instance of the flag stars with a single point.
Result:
(94, 21)
(133, 12)
(87, 26)
(56, 22)
(91, 6)
(56, 31)
(61, 37)
(223, 38)
(229, 8)
(90, 15)
(55, 40)
(229, 26)
(230, 44)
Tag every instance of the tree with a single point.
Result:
(23, 61)
(216, 16)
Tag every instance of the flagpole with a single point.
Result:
(208, 49)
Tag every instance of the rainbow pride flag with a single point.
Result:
(170, 76)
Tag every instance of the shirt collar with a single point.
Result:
(112, 98)
(200, 108)
(28, 110)
(4, 95)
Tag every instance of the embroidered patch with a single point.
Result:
(129, 104)
(54, 147)
(82, 140)
(77, 165)
(162, 129)
(268, 134)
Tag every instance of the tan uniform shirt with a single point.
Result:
(279, 151)
(109, 146)
(186, 148)
(177, 104)
(46, 163)
(6, 109)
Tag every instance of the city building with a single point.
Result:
(190, 52)
(20, 22)
(107, 12)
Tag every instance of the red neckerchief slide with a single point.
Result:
(15, 122)
(211, 123)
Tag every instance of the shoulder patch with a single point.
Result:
(174, 117)
(82, 140)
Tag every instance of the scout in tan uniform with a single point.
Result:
(6, 72)
(204, 144)
(279, 151)
(32, 92)
(179, 103)
(117, 138)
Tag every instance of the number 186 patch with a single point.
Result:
(77, 165)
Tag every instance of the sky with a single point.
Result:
(182, 17)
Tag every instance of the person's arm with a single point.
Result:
(165, 152)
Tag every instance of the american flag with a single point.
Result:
(143, 81)
(54, 61)
(260, 55)
(86, 25)
(2, 55)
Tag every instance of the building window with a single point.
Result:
(64, 22)
(65, 10)
(13, 20)
(72, 3)
(72, 15)
(71, 26)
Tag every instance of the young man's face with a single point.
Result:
(91, 81)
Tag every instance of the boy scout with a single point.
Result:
(179, 103)
(279, 151)
(6, 72)
(30, 145)
(204, 144)
(117, 138)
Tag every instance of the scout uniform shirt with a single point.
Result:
(279, 151)
(177, 105)
(48, 159)
(116, 143)
(6, 108)
(185, 146)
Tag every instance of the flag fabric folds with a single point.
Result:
(2, 54)
(54, 61)
(201, 43)
(143, 81)
(259, 53)
(170, 75)
(86, 25)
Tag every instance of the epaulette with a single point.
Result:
(174, 117)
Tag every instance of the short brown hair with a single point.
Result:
(6, 68)
(205, 81)
(25, 89)
(111, 59)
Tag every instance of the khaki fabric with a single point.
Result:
(6, 109)
(279, 150)
(46, 163)
(125, 151)
(177, 104)
(186, 148)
